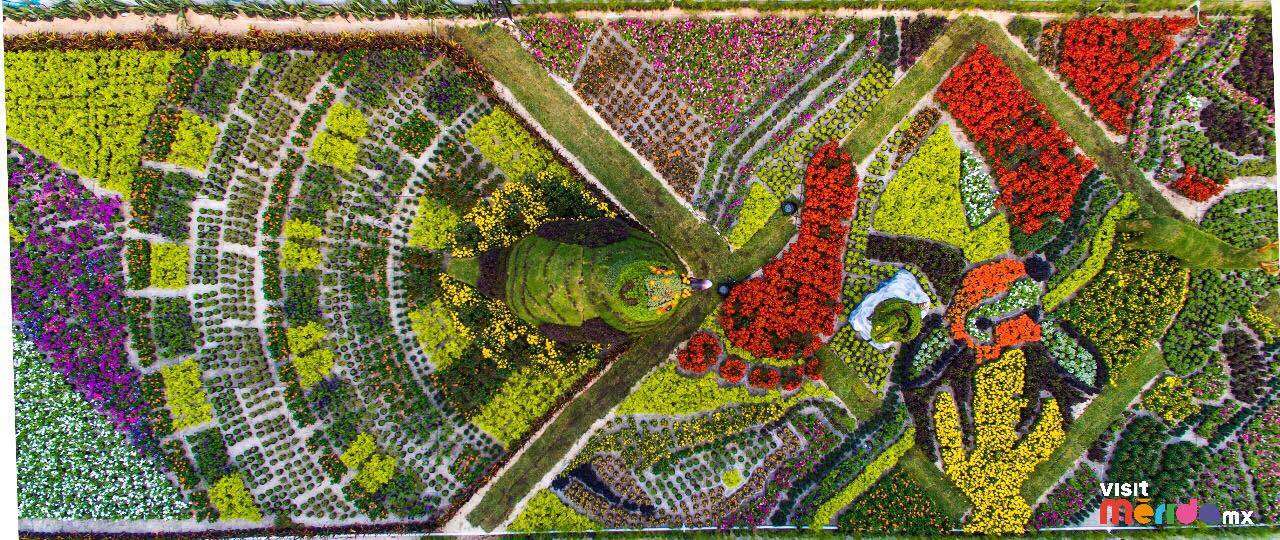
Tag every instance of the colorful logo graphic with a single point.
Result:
(1116, 510)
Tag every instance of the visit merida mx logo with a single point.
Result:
(1130, 503)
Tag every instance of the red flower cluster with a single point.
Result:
(1034, 161)
(1195, 186)
(699, 354)
(792, 378)
(733, 369)
(983, 283)
(813, 369)
(1104, 58)
(764, 377)
(784, 313)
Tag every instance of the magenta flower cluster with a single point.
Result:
(67, 286)
(720, 65)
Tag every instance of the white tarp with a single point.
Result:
(902, 285)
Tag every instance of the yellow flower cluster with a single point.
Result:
(533, 388)
(514, 201)
(502, 329)
(1171, 399)
(992, 474)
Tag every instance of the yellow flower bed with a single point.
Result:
(992, 474)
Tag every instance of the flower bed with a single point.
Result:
(71, 463)
(756, 211)
(1255, 72)
(992, 473)
(1171, 399)
(185, 394)
(169, 266)
(1195, 186)
(1008, 124)
(979, 285)
(71, 253)
(1067, 503)
(784, 313)
(924, 200)
(116, 92)
(1147, 288)
(1104, 58)
(719, 65)
(897, 504)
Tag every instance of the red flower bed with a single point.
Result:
(733, 369)
(699, 354)
(1034, 162)
(979, 285)
(1104, 59)
(764, 378)
(813, 369)
(792, 378)
(784, 313)
(1195, 186)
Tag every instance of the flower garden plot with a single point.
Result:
(731, 115)
(642, 471)
(1201, 121)
(656, 121)
(1103, 59)
(289, 377)
(353, 288)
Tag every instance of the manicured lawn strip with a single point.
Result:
(545, 452)
(1084, 430)
(1196, 247)
(846, 385)
(849, 388)
(556, 111)
(1088, 135)
(924, 472)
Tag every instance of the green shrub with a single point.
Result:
(1026, 29)
(756, 211)
(546, 512)
(334, 151)
(186, 396)
(193, 143)
(233, 500)
(294, 256)
(301, 230)
(169, 266)
(433, 226)
(346, 121)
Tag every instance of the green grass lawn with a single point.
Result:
(1195, 247)
(940, 488)
(1104, 409)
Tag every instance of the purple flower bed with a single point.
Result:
(68, 287)
(1255, 72)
